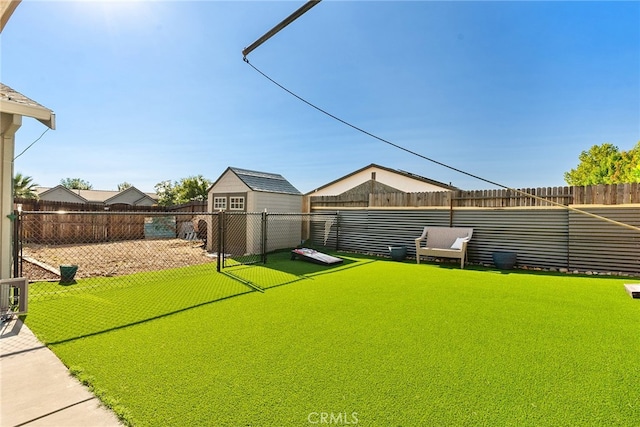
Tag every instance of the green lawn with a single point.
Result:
(376, 342)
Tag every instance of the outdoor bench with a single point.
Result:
(444, 242)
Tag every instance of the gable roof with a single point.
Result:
(393, 171)
(263, 181)
(43, 192)
(130, 193)
(95, 196)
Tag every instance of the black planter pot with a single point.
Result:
(398, 253)
(504, 260)
(67, 273)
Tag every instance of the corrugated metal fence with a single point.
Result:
(542, 237)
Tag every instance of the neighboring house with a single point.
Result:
(242, 190)
(379, 179)
(130, 196)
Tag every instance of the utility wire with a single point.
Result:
(30, 145)
(520, 192)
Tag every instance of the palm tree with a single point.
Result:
(24, 187)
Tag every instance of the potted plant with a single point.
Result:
(397, 253)
(67, 273)
(504, 260)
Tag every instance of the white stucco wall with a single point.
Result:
(401, 182)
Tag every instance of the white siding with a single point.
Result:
(274, 202)
(61, 195)
(284, 232)
(132, 197)
(228, 183)
(395, 180)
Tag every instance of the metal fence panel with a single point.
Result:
(598, 245)
(373, 231)
(538, 236)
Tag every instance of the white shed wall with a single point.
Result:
(284, 232)
(228, 183)
(274, 202)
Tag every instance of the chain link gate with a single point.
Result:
(241, 238)
(249, 238)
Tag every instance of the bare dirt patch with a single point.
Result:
(114, 258)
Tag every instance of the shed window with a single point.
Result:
(219, 203)
(236, 203)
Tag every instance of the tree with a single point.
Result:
(24, 187)
(193, 188)
(606, 164)
(123, 186)
(76, 184)
(166, 192)
(183, 191)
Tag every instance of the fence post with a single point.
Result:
(451, 213)
(337, 231)
(220, 240)
(264, 237)
(16, 243)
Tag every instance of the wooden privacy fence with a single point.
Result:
(65, 223)
(80, 227)
(604, 194)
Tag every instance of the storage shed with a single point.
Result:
(247, 193)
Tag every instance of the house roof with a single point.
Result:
(95, 196)
(43, 191)
(264, 181)
(395, 171)
(13, 102)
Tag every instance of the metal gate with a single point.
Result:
(241, 238)
(248, 238)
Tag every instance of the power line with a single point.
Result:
(520, 192)
(30, 145)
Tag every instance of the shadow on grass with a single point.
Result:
(281, 270)
(141, 321)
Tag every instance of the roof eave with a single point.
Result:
(6, 9)
(43, 115)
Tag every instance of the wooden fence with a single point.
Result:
(67, 223)
(604, 194)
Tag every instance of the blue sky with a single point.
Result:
(146, 91)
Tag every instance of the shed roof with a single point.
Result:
(265, 181)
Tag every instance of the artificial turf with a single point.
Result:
(371, 342)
